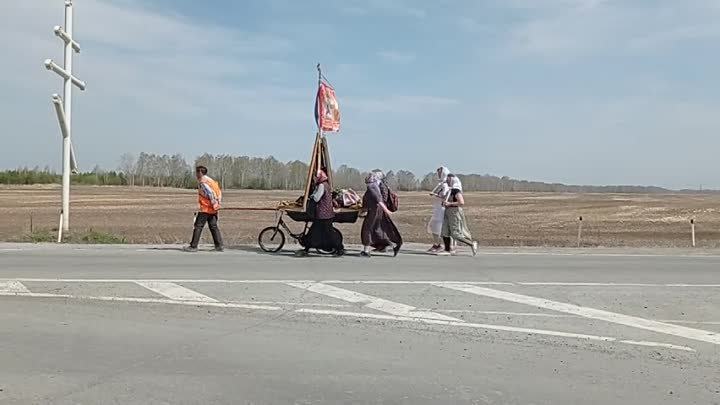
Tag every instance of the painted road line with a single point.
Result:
(540, 315)
(656, 344)
(574, 284)
(175, 292)
(376, 303)
(347, 314)
(591, 313)
(692, 285)
(503, 313)
(296, 304)
(149, 301)
(130, 280)
(491, 327)
(409, 282)
(13, 287)
(399, 282)
(691, 322)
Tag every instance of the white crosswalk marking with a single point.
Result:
(13, 287)
(376, 303)
(264, 295)
(591, 313)
(175, 291)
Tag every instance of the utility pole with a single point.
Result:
(63, 109)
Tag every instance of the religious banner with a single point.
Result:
(327, 110)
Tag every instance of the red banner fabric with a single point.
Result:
(327, 110)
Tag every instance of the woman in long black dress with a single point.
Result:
(378, 229)
(322, 235)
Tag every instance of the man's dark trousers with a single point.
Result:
(212, 220)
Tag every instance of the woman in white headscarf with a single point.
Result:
(455, 224)
(440, 194)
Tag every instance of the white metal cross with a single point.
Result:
(63, 108)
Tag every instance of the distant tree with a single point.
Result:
(392, 180)
(127, 166)
(406, 181)
(269, 173)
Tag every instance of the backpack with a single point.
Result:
(393, 201)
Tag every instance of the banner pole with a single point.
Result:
(319, 69)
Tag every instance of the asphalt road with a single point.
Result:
(140, 325)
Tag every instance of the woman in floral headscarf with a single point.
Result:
(378, 229)
(454, 224)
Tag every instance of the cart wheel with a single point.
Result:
(330, 251)
(271, 239)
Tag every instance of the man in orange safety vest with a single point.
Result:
(209, 197)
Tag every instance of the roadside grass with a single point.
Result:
(90, 237)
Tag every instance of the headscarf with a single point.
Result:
(372, 179)
(454, 183)
(442, 173)
(321, 177)
(380, 175)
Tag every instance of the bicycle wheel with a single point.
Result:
(271, 239)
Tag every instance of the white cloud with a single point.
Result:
(149, 76)
(569, 28)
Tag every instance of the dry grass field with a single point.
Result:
(147, 215)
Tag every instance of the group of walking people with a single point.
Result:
(448, 225)
(379, 233)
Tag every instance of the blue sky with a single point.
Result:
(574, 91)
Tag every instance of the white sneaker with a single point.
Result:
(443, 253)
(474, 249)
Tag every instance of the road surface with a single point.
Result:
(144, 325)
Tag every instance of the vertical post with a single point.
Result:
(60, 228)
(67, 100)
(580, 226)
(63, 109)
(31, 223)
(692, 231)
(319, 69)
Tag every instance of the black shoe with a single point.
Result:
(364, 254)
(190, 249)
(301, 253)
(339, 253)
(220, 249)
(396, 250)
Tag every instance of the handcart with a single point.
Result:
(272, 239)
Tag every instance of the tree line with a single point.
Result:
(244, 172)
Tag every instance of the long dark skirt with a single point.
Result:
(322, 235)
(379, 230)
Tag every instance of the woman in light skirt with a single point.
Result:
(454, 223)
